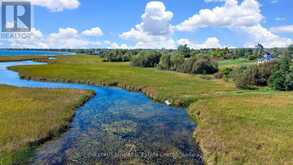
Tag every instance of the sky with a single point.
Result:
(158, 24)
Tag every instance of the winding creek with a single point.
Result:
(115, 127)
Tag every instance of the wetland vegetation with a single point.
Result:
(235, 126)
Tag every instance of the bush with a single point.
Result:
(184, 50)
(227, 73)
(248, 77)
(252, 57)
(282, 78)
(187, 65)
(171, 62)
(219, 75)
(146, 59)
(116, 58)
(205, 66)
(165, 62)
(176, 62)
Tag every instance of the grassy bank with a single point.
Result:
(31, 116)
(235, 127)
(253, 129)
(178, 88)
(22, 58)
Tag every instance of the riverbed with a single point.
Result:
(115, 127)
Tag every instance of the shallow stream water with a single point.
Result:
(115, 127)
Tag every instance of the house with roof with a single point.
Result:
(267, 57)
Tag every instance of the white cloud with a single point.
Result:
(114, 45)
(93, 32)
(155, 29)
(211, 42)
(245, 16)
(35, 41)
(282, 29)
(231, 14)
(57, 5)
(64, 38)
(259, 34)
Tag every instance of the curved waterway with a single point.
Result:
(115, 127)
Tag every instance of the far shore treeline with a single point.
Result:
(276, 73)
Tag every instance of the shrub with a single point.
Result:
(184, 50)
(176, 62)
(205, 66)
(219, 75)
(187, 65)
(248, 77)
(227, 73)
(252, 57)
(165, 62)
(282, 78)
(146, 59)
(116, 58)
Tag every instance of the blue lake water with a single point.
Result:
(115, 127)
(31, 52)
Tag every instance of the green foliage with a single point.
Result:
(165, 62)
(252, 57)
(146, 59)
(184, 50)
(118, 55)
(205, 66)
(187, 65)
(248, 77)
(290, 50)
(176, 61)
(227, 73)
(282, 78)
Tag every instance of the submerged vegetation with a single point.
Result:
(235, 126)
(31, 116)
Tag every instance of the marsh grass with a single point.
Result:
(23, 58)
(178, 88)
(31, 116)
(246, 129)
(234, 126)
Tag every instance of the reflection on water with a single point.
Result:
(116, 127)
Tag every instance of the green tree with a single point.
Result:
(282, 78)
(290, 50)
(184, 50)
(176, 61)
(165, 62)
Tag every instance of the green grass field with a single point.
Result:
(234, 127)
(179, 88)
(30, 116)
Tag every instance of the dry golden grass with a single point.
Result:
(31, 115)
